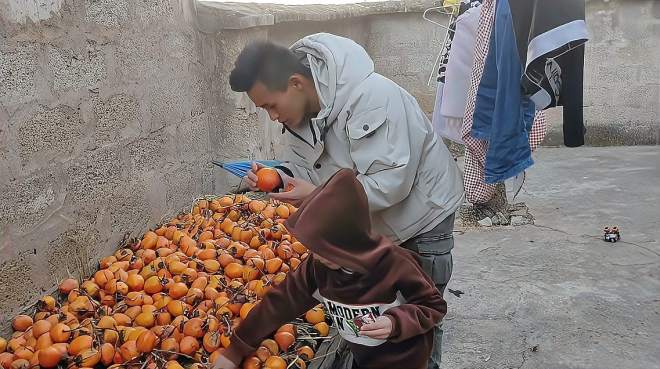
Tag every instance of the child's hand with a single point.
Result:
(380, 329)
(301, 189)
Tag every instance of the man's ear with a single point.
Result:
(296, 81)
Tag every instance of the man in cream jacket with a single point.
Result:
(336, 112)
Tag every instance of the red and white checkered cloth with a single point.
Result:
(476, 190)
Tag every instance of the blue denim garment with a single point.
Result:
(503, 116)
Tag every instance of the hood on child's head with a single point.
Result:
(334, 223)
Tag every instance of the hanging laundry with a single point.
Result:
(467, 4)
(447, 127)
(550, 37)
(572, 97)
(461, 60)
(476, 190)
(455, 69)
(446, 48)
(460, 9)
(503, 116)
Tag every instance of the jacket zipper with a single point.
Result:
(285, 129)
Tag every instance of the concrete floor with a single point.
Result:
(556, 285)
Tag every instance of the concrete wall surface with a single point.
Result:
(110, 113)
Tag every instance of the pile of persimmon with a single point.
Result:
(174, 296)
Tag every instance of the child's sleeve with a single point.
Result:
(424, 306)
(282, 304)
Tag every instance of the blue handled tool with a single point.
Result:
(240, 168)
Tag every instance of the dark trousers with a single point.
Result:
(434, 252)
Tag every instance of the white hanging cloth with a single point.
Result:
(451, 96)
(447, 127)
(459, 66)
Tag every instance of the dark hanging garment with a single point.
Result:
(550, 35)
(572, 96)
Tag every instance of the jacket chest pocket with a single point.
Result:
(364, 124)
(367, 133)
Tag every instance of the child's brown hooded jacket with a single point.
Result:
(333, 222)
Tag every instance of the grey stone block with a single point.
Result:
(150, 153)
(16, 274)
(113, 115)
(50, 134)
(198, 97)
(193, 139)
(76, 251)
(486, 222)
(26, 202)
(130, 211)
(138, 56)
(167, 102)
(178, 45)
(75, 69)
(184, 183)
(519, 220)
(236, 134)
(150, 11)
(93, 177)
(18, 72)
(109, 13)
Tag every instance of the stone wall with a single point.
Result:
(110, 113)
(622, 75)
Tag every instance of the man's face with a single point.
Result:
(287, 107)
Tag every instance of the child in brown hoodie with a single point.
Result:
(353, 272)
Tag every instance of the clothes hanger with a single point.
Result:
(439, 9)
(450, 8)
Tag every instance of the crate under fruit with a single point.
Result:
(332, 354)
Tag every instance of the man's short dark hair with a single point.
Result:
(268, 63)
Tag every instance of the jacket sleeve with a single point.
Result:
(381, 147)
(294, 170)
(424, 306)
(291, 165)
(282, 304)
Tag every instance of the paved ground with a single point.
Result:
(584, 302)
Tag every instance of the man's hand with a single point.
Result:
(224, 363)
(380, 329)
(251, 177)
(301, 189)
